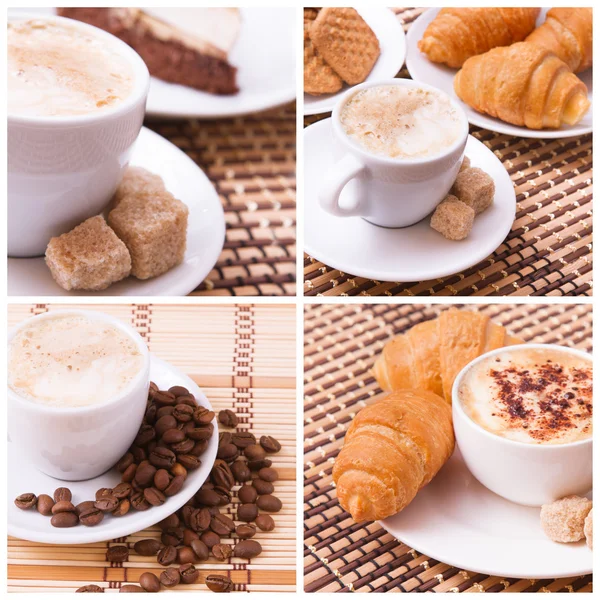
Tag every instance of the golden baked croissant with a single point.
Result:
(523, 84)
(431, 354)
(567, 32)
(393, 448)
(456, 34)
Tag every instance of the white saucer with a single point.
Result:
(390, 34)
(458, 521)
(23, 477)
(442, 77)
(265, 56)
(416, 253)
(205, 236)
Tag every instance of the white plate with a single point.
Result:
(265, 56)
(416, 253)
(205, 235)
(390, 34)
(23, 477)
(442, 77)
(458, 521)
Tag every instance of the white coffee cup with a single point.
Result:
(529, 474)
(76, 443)
(389, 192)
(64, 169)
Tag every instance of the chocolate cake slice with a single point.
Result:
(188, 46)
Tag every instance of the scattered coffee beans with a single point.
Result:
(131, 589)
(150, 582)
(62, 493)
(25, 501)
(247, 494)
(265, 522)
(246, 530)
(170, 577)
(221, 552)
(117, 554)
(219, 583)
(147, 547)
(247, 549)
(270, 444)
(93, 589)
(167, 555)
(228, 418)
(188, 573)
(269, 503)
(44, 505)
(64, 519)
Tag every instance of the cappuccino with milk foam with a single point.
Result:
(71, 361)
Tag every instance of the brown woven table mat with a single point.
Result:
(340, 346)
(549, 249)
(244, 358)
(252, 163)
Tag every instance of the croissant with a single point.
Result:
(431, 354)
(456, 34)
(523, 84)
(567, 32)
(392, 449)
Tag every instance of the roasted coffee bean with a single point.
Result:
(164, 411)
(247, 512)
(82, 506)
(200, 550)
(145, 435)
(139, 454)
(117, 554)
(172, 537)
(185, 555)
(154, 497)
(228, 452)
(129, 588)
(189, 461)
(178, 470)
(183, 412)
(170, 522)
(162, 479)
(150, 414)
(162, 458)
(93, 589)
(263, 487)
(64, 519)
(247, 494)
(172, 436)
(165, 423)
(200, 519)
(203, 416)
(222, 525)
(147, 547)
(62, 493)
(254, 452)
(221, 475)
(129, 473)
(125, 462)
(188, 572)
(245, 530)
(44, 505)
(218, 583)
(240, 471)
(224, 496)
(150, 582)
(189, 400)
(162, 398)
(170, 577)
(268, 474)
(247, 549)
(265, 522)
(225, 437)
(139, 502)
(107, 503)
(221, 552)
(152, 389)
(183, 447)
(269, 503)
(270, 444)
(243, 439)
(144, 474)
(228, 418)
(178, 390)
(122, 490)
(175, 485)
(123, 508)
(189, 535)
(207, 497)
(187, 511)
(200, 434)
(210, 538)
(199, 448)
(103, 492)
(63, 506)
(91, 516)
(167, 556)
(257, 465)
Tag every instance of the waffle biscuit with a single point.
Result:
(319, 77)
(346, 43)
(310, 14)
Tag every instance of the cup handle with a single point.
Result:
(341, 173)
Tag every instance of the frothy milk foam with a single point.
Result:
(401, 122)
(58, 70)
(71, 361)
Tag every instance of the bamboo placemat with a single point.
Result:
(243, 357)
(549, 249)
(341, 345)
(252, 163)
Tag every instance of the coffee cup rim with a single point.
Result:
(143, 372)
(456, 145)
(459, 411)
(139, 92)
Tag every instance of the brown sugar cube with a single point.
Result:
(564, 520)
(454, 220)
(466, 163)
(588, 530)
(89, 257)
(154, 229)
(475, 188)
(138, 181)
(450, 198)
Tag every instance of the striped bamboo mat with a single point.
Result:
(340, 346)
(548, 251)
(244, 358)
(252, 163)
